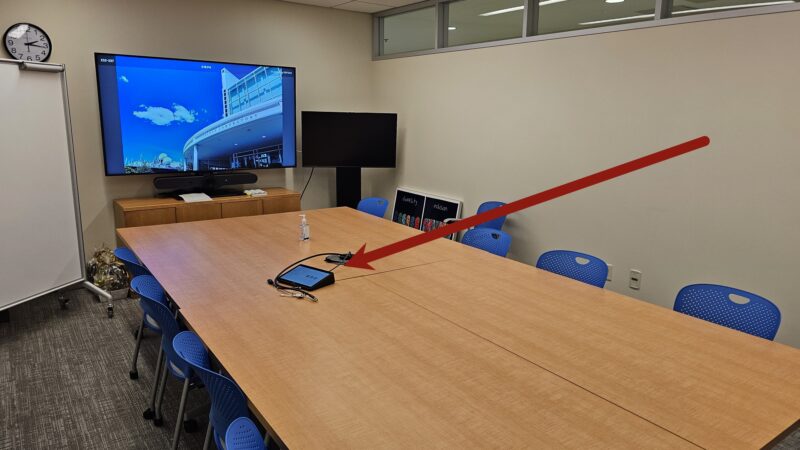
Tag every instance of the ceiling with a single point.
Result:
(370, 6)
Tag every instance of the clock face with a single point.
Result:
(27, 42)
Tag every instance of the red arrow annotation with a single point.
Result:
(362, 259)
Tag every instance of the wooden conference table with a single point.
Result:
(448, 346)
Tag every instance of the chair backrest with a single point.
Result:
(132, 263)
(730, 307)
(148, 286)
(227, 401)
(493, 241)
(374, 205)
(190, 349)
(495, 224)
(243, 434)
(578, 266)
(170, 328)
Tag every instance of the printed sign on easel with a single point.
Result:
(422, 211)
(408, 208)
(437, 210)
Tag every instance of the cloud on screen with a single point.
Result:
(161, 116)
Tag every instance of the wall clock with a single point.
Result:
(27, 42)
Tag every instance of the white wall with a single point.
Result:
(330, 48)
(505, 122)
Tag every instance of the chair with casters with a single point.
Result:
(578, 266)
(491, 240)
(373, 205)
(730, 307)
(174, 365)
(227, 401)
(146, 286)
(495, 224)
(134, 267)
(243, 434)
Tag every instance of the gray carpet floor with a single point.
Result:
(64, 380)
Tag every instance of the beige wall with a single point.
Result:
(505, 122)
(330, 48)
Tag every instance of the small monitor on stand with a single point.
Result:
(349, 141)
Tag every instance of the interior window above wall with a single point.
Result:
(567, 15)
(687, 7)
(471, 21)
(409, 32)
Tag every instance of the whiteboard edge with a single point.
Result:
(74, 174)
(41, 294)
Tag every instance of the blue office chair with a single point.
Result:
(714, 303)
(171, 364)
(227, 401)
(147, 287)
(135, 268)
(578, 266)
(132, 263)
(495, 224)
(374, 205)
(493, 241)
(243, 434)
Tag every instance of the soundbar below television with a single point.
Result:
(173, 116)
(346, 139)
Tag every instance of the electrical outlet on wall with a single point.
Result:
(635, 279)
(610, 271)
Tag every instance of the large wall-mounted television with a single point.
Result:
(347, 139)
(176, 116)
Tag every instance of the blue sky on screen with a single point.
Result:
(162, 103)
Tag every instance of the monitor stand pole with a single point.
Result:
(348, 186)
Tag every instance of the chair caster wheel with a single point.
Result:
(110, 310)
(190, 426)
(148, 414)
(158, 422)
(134, 374)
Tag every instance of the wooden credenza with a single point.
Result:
(137, 212)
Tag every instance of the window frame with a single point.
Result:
(662, 17)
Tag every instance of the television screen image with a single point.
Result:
(171, 116)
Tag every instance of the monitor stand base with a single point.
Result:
(348, 186)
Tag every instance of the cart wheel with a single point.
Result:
(134, 374)
(148, 414)
(63, 301)
(158, 422)
(110, 310)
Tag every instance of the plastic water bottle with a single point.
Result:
(305, 231)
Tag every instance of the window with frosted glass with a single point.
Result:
(567, 15)
(471, 21)
(682, 8)
(409, 32)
